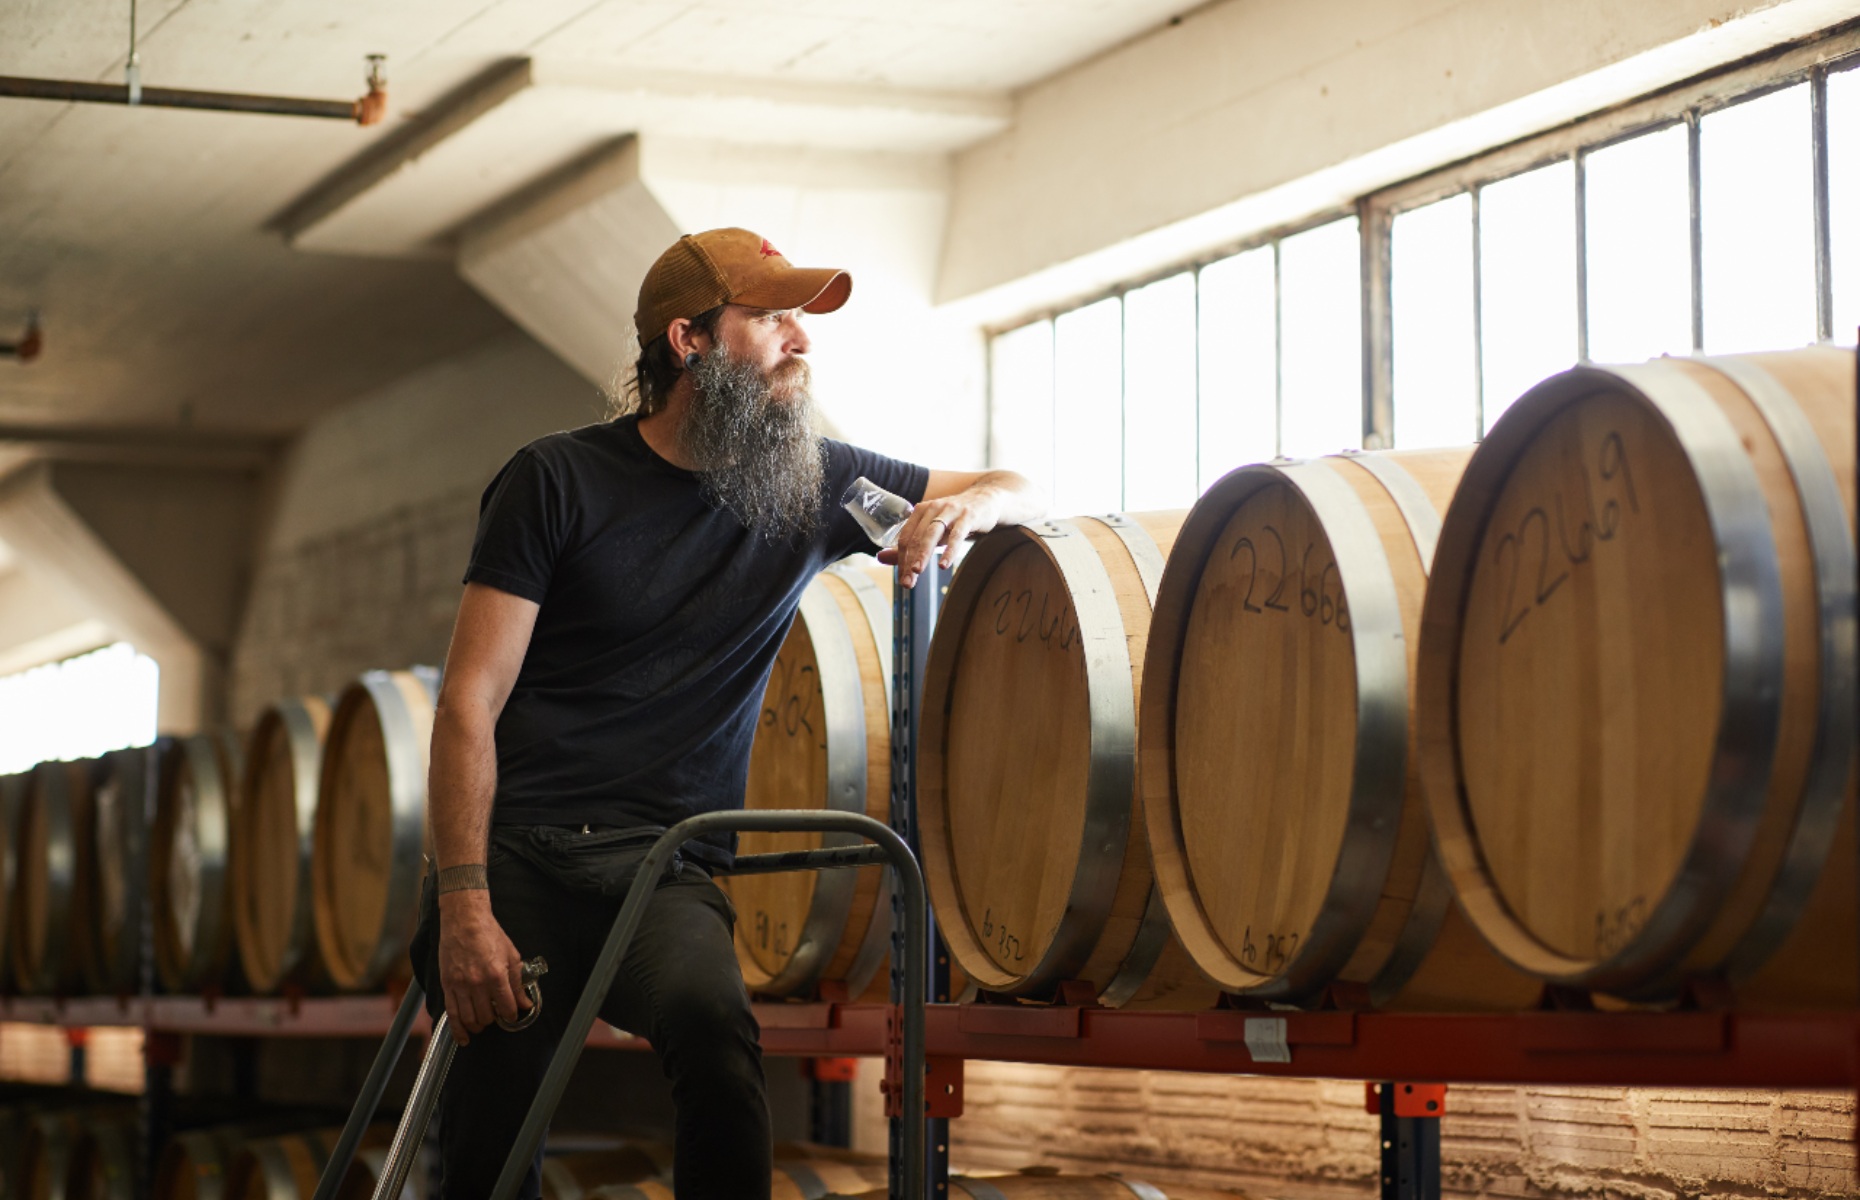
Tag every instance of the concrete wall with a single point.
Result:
(371, 524)
(79, 593)
(185, 533)
(1250, 113)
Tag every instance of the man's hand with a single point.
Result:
(955, 507)
(480, 971)
(945, 523)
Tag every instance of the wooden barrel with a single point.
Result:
(12, 806)
(84, 1153)
(793, 1179)
(272, 845)
(103, 1160)
(127, 782)
(575, 1176)
(53, 888)
(279, 1168)
(371, 826)
(1636, 679)
(1286, 824)
(364, 1176)
(196, 1165)
(21, 1106)
(1026, 773)
(190, 891)
(1040, 1185)
(45, 1156)
(824, 741)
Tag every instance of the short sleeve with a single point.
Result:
(846, 463)
(521, 526)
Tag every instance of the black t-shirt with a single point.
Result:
(661, 618)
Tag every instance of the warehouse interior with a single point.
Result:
(256, 372)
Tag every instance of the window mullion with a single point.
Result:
(1199, 483)
(1824, 236)
(1695, 216)
(1374, 227)
(1278, 350)
(1478, 318)
(1582, 256)
(1123, 407)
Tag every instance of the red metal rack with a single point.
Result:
(1679, 1049)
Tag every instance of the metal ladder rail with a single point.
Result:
(889, 848)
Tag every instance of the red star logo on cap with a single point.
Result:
(769, 251)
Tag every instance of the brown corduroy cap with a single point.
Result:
(730, 266)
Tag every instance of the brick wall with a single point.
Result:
(1311, 1140)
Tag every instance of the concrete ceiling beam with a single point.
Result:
(418, 192)
(564, 259)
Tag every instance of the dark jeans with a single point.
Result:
(556, 892)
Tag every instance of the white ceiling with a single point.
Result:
(152, 239)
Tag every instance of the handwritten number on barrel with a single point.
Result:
(1252, 572)
(1307, 598)
(1272, 601)
(1590, 529)
(1615, 929)
(1046, 623)
(1277, 951)
(1313, 602)
(792, 712)
(1546, 586)
(1617, 464)
(1005, 942)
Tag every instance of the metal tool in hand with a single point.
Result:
(432, 1076)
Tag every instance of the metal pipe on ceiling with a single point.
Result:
(368, 110)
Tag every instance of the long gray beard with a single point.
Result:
(752, 436)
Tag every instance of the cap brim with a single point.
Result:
(815, 289)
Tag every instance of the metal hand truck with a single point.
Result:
(888, 847)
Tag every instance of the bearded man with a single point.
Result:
(629, 587)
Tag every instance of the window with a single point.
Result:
(1020, 426)
(1637, 251)
(1842, 151)
(77, 708)
(1527, 283)
(1159, 395)
(1088, 408)
(1321, 341)
(1722, 216)
(1757, 223)
(1436, 336)
(1140, 400)
(1237, 347)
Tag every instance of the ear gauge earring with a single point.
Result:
(692, 360)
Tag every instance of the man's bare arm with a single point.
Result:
(479, 968)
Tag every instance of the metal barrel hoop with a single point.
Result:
(1153, 927)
